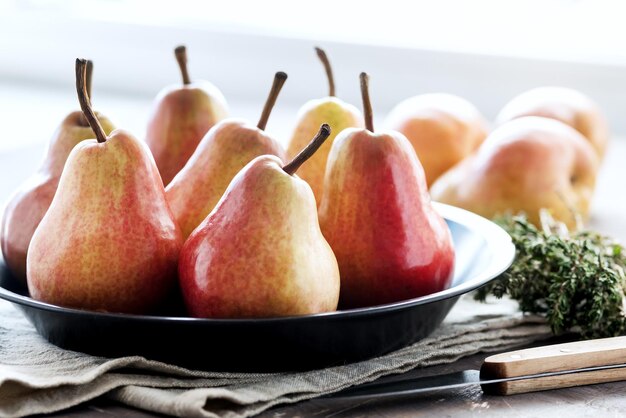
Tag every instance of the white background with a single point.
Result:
(484, 50)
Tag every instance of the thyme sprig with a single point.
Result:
(576, 280)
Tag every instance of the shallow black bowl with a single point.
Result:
(483, 251)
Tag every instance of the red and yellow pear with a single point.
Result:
(29, 203)
(181, 116)
(564, 104)
(443, 129)
(261, 253)
(525, 165)
(109, 241)
(222, 153)
(377, 216)
(332, 110)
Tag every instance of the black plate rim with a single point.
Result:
(498, 241)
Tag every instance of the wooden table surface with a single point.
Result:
(605, 400)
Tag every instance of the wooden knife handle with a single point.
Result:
(552, 358)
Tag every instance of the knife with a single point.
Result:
(529, 370)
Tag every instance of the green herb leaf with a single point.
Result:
(575, 280)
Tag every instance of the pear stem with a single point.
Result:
(367, 104)
(181, 57)
(291, 167)
(88, 76)
(329, 71)
(85, 103)
(277, 85)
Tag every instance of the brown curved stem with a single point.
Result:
(277, 85)
(329, 70)
(88, 76)
(181, 57)
(367, 104)
(308, 151)
(83, 99)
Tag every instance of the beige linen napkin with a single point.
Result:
(37, 377)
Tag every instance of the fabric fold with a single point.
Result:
(38, 377)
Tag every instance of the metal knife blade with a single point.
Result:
(413, 386)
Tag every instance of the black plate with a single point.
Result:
(483, 251)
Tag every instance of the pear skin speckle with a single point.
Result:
(109, 241)
(260, 253)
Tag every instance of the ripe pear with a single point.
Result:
(181, 116)
(443, 129)
(564, 104)
(377, 216)
(525, 165)
(109, 241)
(261, 253)
(31, 200)
(332, 110)
(222, 153)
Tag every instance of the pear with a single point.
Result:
(337, 113)
(221, 154)
(181, 116)
(564, 104)
(261, 253)
(31, 200)
(525, 165)
(443, 129)
(109, 241)
(377, 216)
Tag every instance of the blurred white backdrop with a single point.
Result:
(575, 30)
(484, 50)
